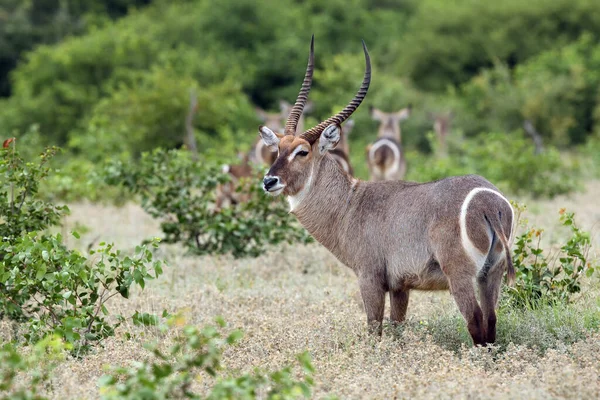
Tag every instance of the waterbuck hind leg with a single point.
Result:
(463, 291)
(398, 305)
(489, 290)
(373, 295)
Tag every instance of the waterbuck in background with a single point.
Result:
(227, 193)
(385, 156)
(341, 153)
(395, 235)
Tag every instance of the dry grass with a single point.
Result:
(295, 299)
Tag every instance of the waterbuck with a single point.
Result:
(260, 154)
(385, 156)
(395, 235)
(227, 193)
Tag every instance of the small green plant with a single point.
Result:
(21, 210)
(547, 278)
(181, 193)
(46, 286)
(37, 364)
(53, 289)
(199, 351)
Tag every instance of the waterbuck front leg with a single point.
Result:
(373, 295)
(398, 305)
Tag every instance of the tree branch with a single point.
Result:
(189, 138)
(537, 138)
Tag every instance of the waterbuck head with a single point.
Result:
(389, 123)
(298, 153)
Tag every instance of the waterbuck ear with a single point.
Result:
(404, 113)
(329, 138)
(270, 138)
(376, 114)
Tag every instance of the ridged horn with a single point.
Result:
(294, 117)
(313, 134)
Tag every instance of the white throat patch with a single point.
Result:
(296, 199)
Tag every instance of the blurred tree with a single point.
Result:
(25, 24)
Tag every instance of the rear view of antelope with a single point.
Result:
(396, 236)
(385, 156)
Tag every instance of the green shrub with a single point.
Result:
(21, 211)
(181, 194)
(38, 364)
(42, 283)
(507, 160)
(200, 350)
(549, 278)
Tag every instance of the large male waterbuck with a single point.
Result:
(395, 235)
(385, 156)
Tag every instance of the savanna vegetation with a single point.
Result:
(121, 278)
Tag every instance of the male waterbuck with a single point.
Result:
(395, 235)
(341, 153)
(259, 153)
(385, 156)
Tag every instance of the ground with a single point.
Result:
(301, 298)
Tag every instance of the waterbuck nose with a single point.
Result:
(270, 181)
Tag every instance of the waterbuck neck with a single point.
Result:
(390, 129)
(326, 208)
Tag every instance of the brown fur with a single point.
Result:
(227, 194)
(396, 236)
(399, 236)
(260, 154)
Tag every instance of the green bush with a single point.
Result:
(44, 357)
(181, 194)
(42, 283)
(200, 350)
(507, 160)
(556, 90)
(549, 278)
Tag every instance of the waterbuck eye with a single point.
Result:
(302, 153)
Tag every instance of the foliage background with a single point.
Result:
(113, 78)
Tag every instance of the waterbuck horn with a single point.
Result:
(292, 121)
(313, 134)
